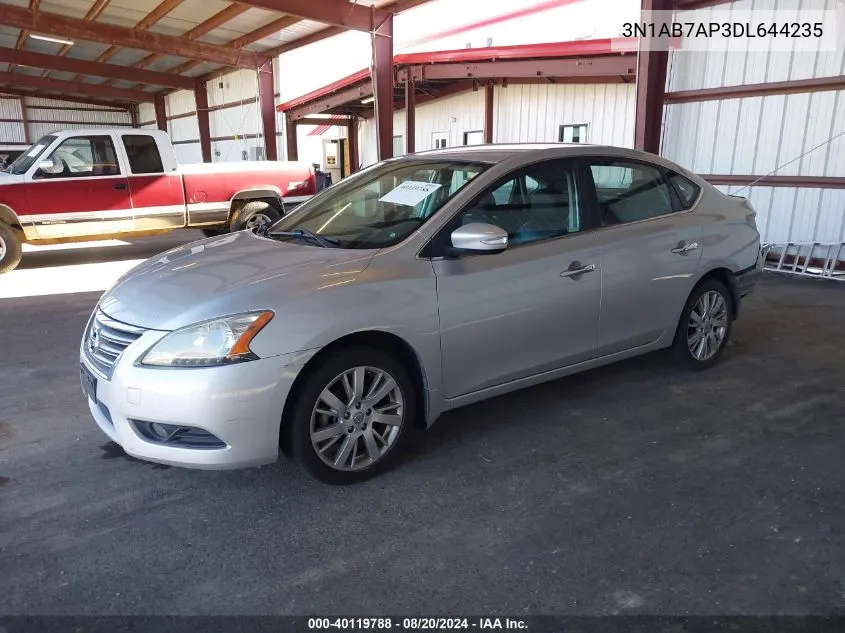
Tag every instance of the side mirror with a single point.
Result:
(479, 237)
(49, 167)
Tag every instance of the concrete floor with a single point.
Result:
(630, 489)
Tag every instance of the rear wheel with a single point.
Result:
(704, 327)
(10, 248)
(351, 416)
(255, 214)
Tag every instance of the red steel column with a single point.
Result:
(382, 76)
(410, 116)
(290, 138)
(352, 133)
(201, 97)
(488, 113)
(651, 86)
(266, 90)
(161, 113)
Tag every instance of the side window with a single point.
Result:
(81, 157)
(538, 203)
(686, 188)
(628, 191)
(144, 157)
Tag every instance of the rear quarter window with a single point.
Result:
(687, 190)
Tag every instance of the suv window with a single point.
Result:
(82, 157)
(628, 191)
(143, 154)
(686, 188)
(538, 203)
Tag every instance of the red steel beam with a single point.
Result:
(73, 87)
(291, 146)
(651, 85)
(267, 106)
(74, 28)
(612, 66)
(347, 15)
(488, 112)
(201, 98)
(113, 105)
(410, 117)
(352, 135)
(382, 79)
(331, 101)
(758, 90)
(161, 112)
(65, 64)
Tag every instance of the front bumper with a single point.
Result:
(241, 404)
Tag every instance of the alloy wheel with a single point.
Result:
(357, 418)
(257, 221)
(2, 248)
(708, 326)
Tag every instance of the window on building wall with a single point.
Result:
(439, 140)
(475, 137)
(573, 133)
(398, 145)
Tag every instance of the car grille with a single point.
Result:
(105, 340)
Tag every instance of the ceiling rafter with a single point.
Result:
(96, 69)
(93, 13)
(13, 80)
(55, 24)
(218, 19)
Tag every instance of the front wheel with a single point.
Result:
(351, 416)
(11, 250)
(704, 327)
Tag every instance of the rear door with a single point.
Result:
(651, 249)
(158, 197)
(83, 193)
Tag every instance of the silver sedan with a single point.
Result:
(419, 285)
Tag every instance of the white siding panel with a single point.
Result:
(788, 214)
(180, 102)
(367, 142)
(239, 120)
(467, 110)
(10, 109)
(146, 112)
(11, 131)
(232, 150)
(91, 117)
(188, 153)
(184, 129)
(237, 86)
(535, 112)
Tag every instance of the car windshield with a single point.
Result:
(28, 158)
(379, 206)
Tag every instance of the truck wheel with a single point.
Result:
(10, 248)
(255, 214)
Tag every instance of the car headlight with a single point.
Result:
(216, 342)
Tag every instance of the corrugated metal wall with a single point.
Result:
(238, 127)
(185, 128)
(11, 124)
(147, 116)
(784, 135)
(535, 112)
(521, 113)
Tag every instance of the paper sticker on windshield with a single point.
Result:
(410, 193)
(34, 151)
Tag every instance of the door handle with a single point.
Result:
(120, 186)
(576, 269)
(684, 247)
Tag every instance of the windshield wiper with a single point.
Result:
(325, 242)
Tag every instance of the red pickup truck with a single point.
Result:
(100, 184)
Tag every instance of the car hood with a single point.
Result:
(10, 179)
(225, 275)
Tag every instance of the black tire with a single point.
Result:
(297, 431)
(215, 231)
(681, 352)
(243, 217)
(11, 249)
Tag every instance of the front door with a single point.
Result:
(82, 193)
(651, 249)
(533, 307)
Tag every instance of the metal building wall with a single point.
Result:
(11, 122)
(783, 135)
(535, 112)
(236, 128)
(184, 131)
(49, 115)
(147, 116)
